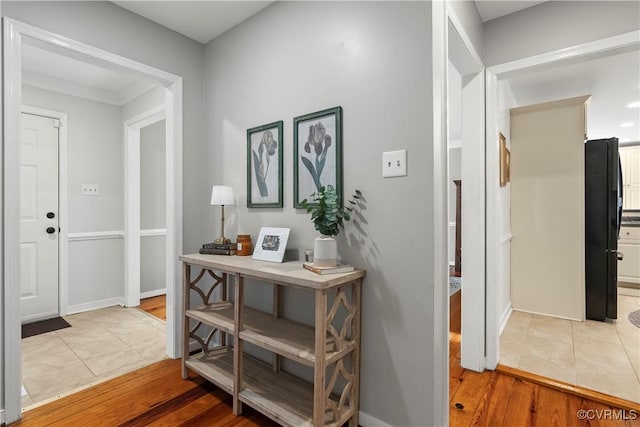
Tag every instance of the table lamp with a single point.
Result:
(222, 195)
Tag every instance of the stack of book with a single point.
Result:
(218, 249)
(340, 268)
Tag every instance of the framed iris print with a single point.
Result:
(317, 153)
(264, 166)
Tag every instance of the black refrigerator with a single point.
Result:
(603, 213)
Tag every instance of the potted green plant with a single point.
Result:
(328, 218)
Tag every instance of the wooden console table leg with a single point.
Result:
(223, 297)
(356, 299)
(237, 343)
(277, 313)
(319, 374)
(186, 286)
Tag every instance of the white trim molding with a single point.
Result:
(440, 295)
(505, 318)
(505, 238)
(154, 293)
(584, 51)
(153, 232)
(366, 420)
(15, 33)
(94, 305)
(95, 235)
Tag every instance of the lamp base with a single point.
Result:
(222, 241)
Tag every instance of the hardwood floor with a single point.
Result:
(155, 395)
(156, 306)
(494, 399)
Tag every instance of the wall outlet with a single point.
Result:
(394, 163)
(90, 190)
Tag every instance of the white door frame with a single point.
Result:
(440, 279)
(63, 206)
(16, 33)
(581, 52)
(473, 208)
(132, 230)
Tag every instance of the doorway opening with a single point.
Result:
(19, 36)
(593, 355)
(466, 191)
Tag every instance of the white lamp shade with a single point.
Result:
(222, 195)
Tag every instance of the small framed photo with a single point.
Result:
(317, 153)
(264, 166)
(505, 162)
(271, 244)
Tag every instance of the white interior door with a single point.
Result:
(38, 217)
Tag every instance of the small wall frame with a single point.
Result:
(264, 166)
(317, 153)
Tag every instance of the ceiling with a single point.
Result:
(199, 20)
(205, 20)
(613, 83)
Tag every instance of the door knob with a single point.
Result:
(619, 255)
(51, 230)
(51, 215)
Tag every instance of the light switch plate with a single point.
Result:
(90, 190)
(394, 163)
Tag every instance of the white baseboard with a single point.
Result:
(153, 293)
(548, 315)
(94, 305)
(505, 318)
(1, 417)
(366, 420)
(628, 291)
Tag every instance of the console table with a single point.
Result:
(220, 325)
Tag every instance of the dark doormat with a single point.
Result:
(634, 318)
(44, 326)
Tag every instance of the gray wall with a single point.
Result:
(95, 156)
(152, 206)
(107, 26)
(290, 59)
(556, 25)
(469, 17)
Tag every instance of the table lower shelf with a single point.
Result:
(282, 397)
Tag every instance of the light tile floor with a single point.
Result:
(600, 356)
(99, 345)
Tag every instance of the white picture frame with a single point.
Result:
(271, 244)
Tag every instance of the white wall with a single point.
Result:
(298, 57)
(547, 211)
(152, 206)
(506, 101)
(554, 25)
(95, 156)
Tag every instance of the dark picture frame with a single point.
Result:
(264, 172)
(317, 153)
